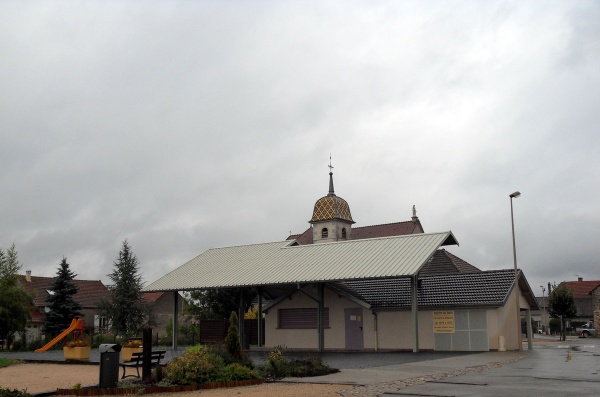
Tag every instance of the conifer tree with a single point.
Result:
(61, 300)
(232, 340)
(127, 311)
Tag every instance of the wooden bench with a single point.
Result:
(137, 361)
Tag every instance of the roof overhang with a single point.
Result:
(285, 262)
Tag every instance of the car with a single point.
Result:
(586, 330)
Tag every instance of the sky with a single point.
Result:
(181, 126)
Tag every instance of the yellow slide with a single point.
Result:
(76, 325)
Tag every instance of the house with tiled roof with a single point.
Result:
(582, 294)
(391, 286)
(90, 293)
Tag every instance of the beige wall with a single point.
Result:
(394, 328)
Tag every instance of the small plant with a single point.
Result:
(13, 393)
(278, 366)
(77, 386)
(135, 343)
(78, 343)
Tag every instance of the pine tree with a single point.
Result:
(61, 300)
(127, 311)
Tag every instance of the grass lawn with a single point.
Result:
(5, 362)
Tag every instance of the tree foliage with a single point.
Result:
(561, 305)
(61, 300)
(15, 302)
(216, 304)
(126, 309)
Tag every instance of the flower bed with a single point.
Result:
(155, 389)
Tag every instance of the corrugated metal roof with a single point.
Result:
(284, 263)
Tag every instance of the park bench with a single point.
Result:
(137, 361)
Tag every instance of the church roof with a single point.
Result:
(331, 207)
(359, 233)
(286, 262)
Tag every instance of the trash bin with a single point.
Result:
(109, 364)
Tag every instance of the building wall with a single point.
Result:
(334, 229)
(384, 330)
(596, 308)
(309, 338)
(163, 311)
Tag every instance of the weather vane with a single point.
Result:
(330, 166)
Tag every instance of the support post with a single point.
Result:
(321, 310)
(415, 312)
(241, 320)
(529, 330)
(175, 318)
(259, 318)
(147, 354)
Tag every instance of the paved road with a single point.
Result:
(568, 369)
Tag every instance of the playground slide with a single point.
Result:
(76, 324)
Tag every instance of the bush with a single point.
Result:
(219, 350)
(199, 365)
(279, 366)
(234, 372)
(193, 367)
(13, 393)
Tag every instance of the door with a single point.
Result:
(354, 328)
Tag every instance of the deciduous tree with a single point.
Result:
(561, 305)
(15, 302)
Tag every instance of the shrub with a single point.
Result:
(234, 372)
(232, 340)
(13, 393)
(279, 366)
(219, 350)
(193, 367)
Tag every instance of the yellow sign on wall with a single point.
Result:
(443, 322)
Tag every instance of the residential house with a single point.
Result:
(89, 294)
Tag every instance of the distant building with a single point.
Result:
(90, 293)
(161, 304)
(582, 294)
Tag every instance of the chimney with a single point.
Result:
(579, 278)
(28, 276)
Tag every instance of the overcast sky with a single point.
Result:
(182, 126)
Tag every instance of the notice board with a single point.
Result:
(443, 322)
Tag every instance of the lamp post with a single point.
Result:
(543, 309)
(518, 305)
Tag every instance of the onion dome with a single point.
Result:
(331, 207)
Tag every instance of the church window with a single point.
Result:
(344, 233)
(324, 233)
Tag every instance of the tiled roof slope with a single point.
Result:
(581, 289)
(443, 262)
(90, 291)
(359, 233)
(484, 288)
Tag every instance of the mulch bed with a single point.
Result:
(153, 389)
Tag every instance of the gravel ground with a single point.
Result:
(37, 378)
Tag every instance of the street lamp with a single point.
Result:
(518, 306)
(543, 308)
